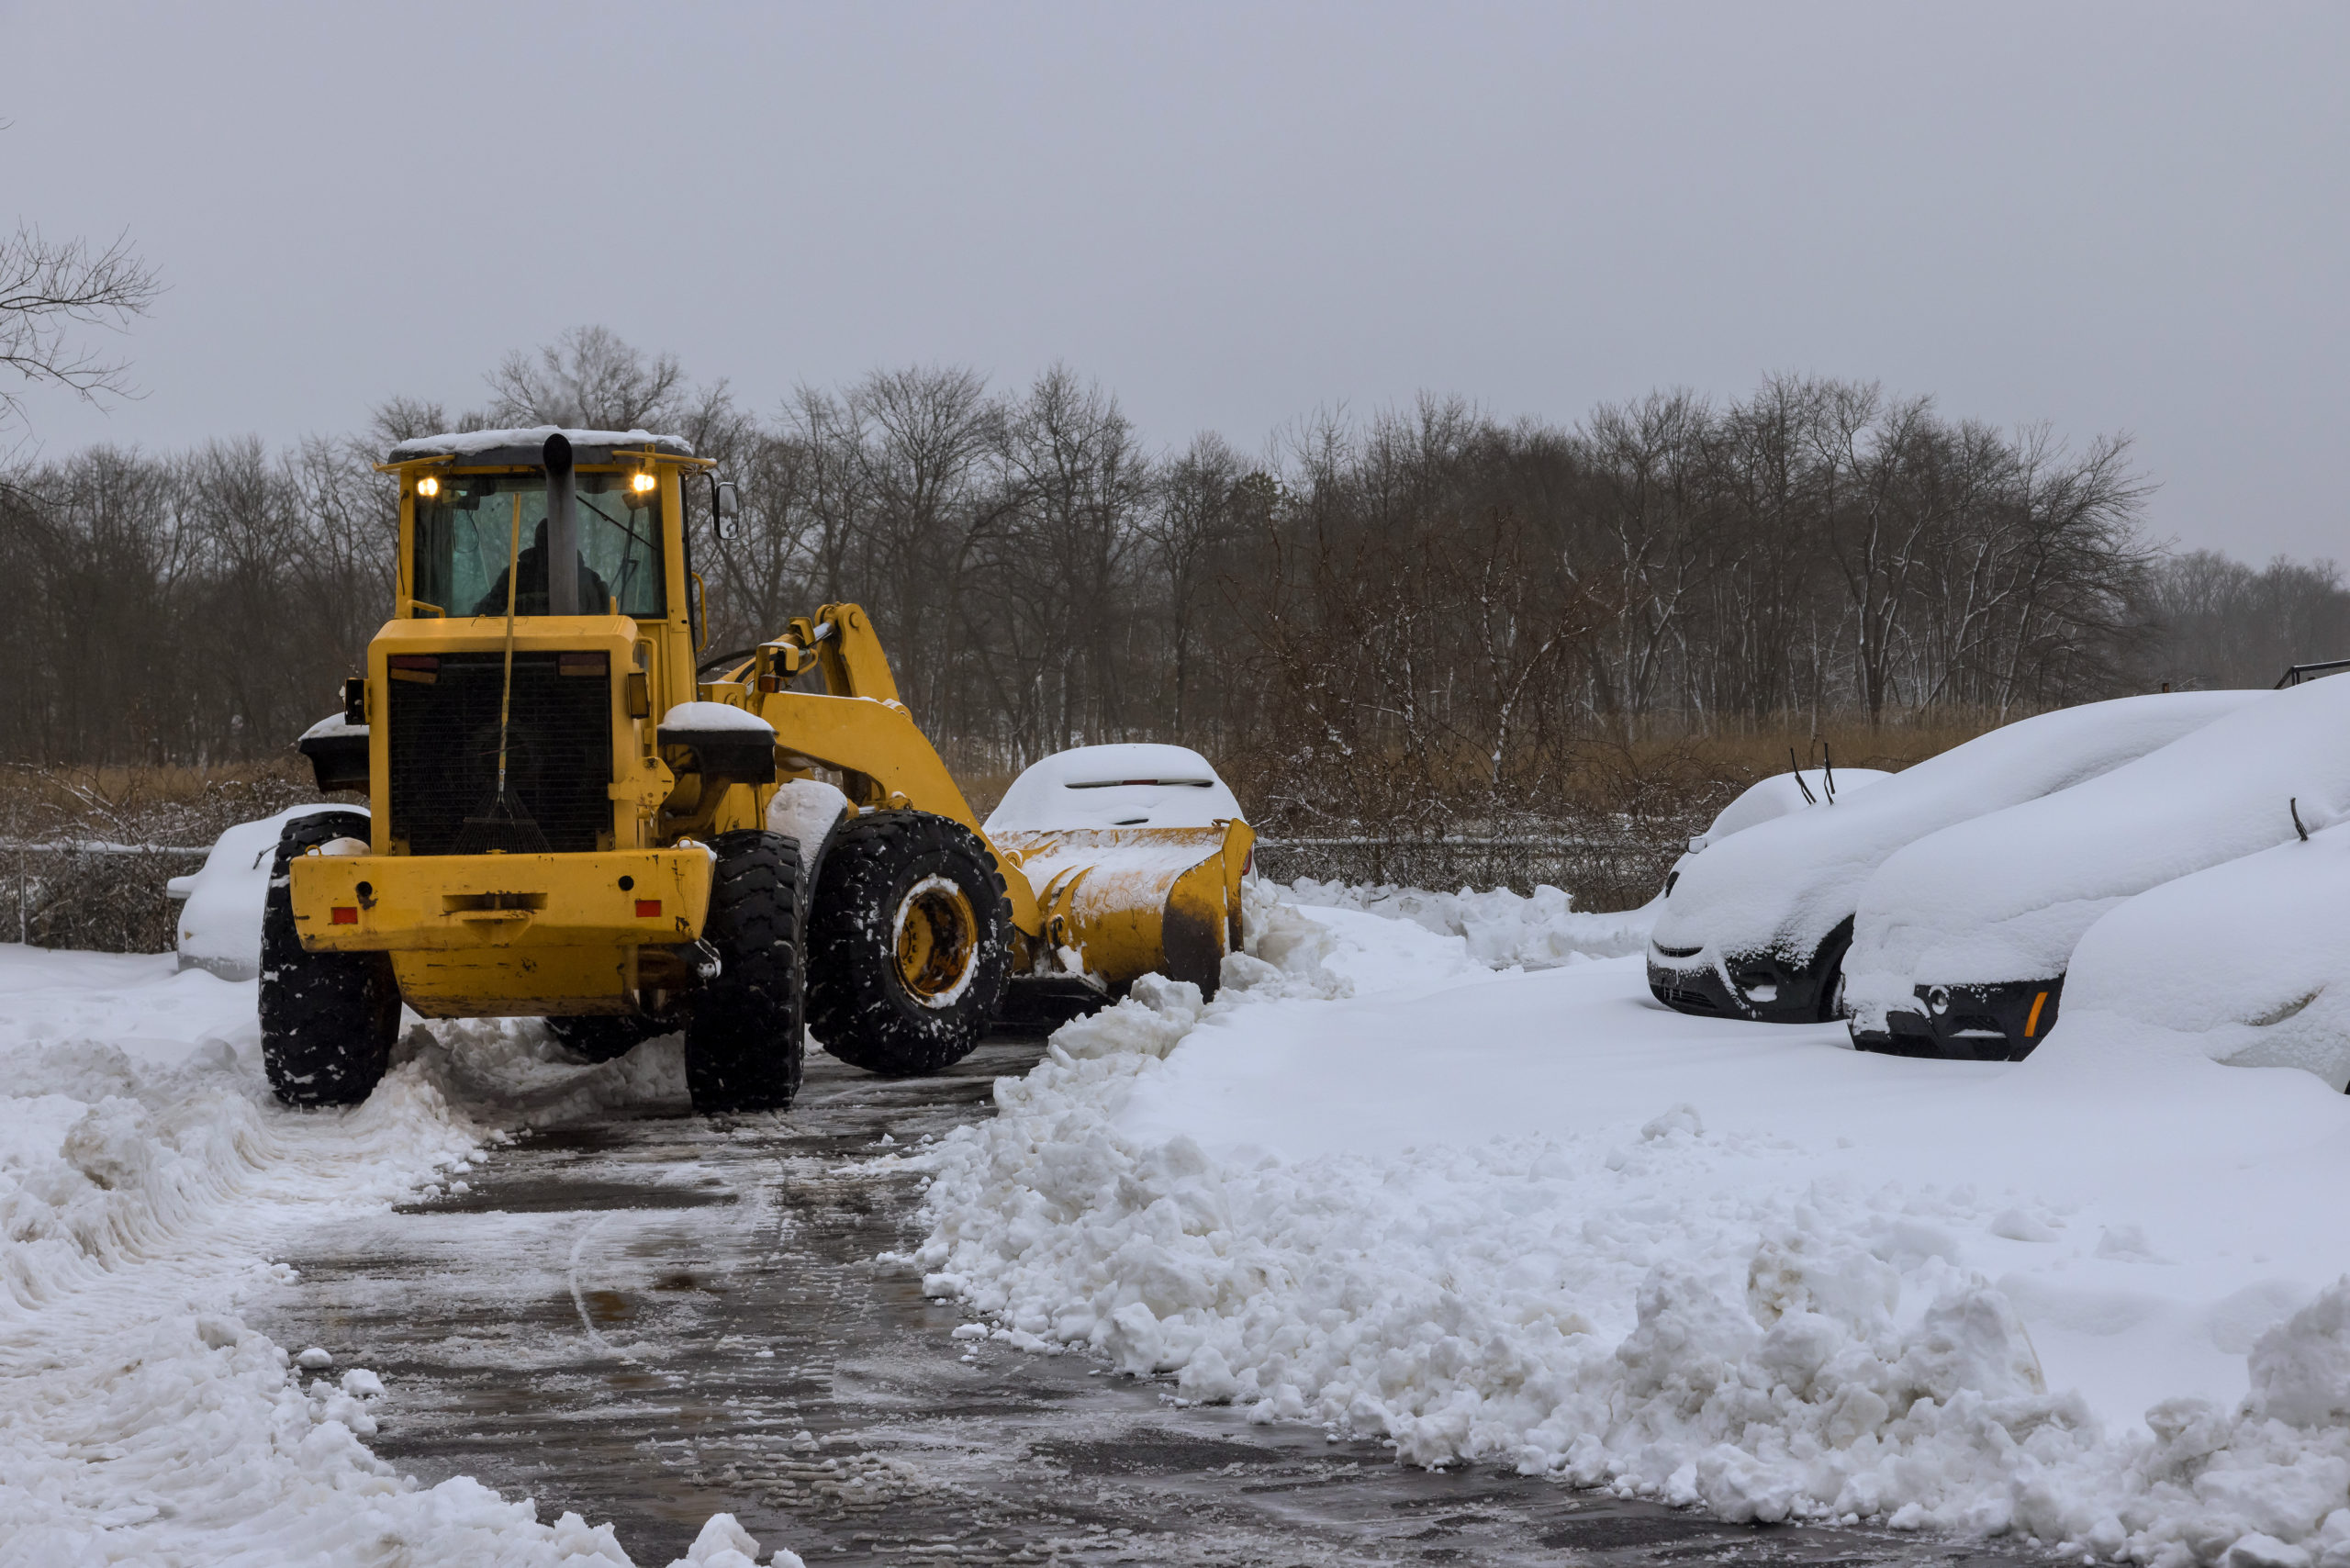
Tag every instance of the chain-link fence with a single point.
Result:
(1601, 873)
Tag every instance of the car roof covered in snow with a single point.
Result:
(1134, 785)
(1781, 794)
(521, 448)
(2241, 962)
(2006, 895)
(1786, 884)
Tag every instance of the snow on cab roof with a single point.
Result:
(524, 446)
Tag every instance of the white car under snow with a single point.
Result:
(219, 917)
(1756, 928)
(2243, 963)
(1965, 937)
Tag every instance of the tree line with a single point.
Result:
(1394, 620)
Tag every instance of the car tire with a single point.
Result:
(328, 1020)
(744, 1041)
(908, 945)
(1830, 1003)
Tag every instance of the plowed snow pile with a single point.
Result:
(146, 1181)
(1535, 1218)
(1538, 931)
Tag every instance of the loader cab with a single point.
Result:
(466, 527)
(473, 502)
(543, 626)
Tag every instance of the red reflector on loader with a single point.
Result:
(346, 914)
(648, 908)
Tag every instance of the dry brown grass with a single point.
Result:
(87, 801)
(108, 900)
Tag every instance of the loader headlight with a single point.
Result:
(427, 486)
(643, 482)
(1938, 1000)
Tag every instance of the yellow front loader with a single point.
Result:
(575, 814)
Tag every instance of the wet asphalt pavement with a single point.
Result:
(650, 1320)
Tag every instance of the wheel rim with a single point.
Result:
(937, 940)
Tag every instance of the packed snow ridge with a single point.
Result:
(1535, 1219)
(146, 1181)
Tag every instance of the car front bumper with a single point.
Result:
(2000, 1021)
(1762, 987)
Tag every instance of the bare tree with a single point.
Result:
(1192, 522)
(49, 289)
(587, 379)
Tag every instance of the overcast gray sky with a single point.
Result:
(2119, 218)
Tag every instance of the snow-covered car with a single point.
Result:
(219, 916)
(1964, 938)
(1134, 784)
(1756, 927)
(2243, 963)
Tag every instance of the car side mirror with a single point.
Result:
(725, 508)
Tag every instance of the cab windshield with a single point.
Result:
(466, 535)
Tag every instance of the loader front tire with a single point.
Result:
(743, 1033)
(908, 944)
(328, 1020)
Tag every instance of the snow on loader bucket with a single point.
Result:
(1135, 853)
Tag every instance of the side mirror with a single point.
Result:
(725, 508)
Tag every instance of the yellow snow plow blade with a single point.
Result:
(1117, 903)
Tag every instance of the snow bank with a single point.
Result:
(2005, 897)
(1505, 929)
(1535, 1219)
(1783, 885)
(146, 1181)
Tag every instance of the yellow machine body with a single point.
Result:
(606, 930)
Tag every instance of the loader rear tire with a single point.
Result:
(744, 1034)
(909, 943)
(328, 1020)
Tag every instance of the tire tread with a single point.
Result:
(857, 1007)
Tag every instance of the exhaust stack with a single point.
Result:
(563, 527)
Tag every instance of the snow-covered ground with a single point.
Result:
(1433, 1166)
(2095, 1299)
(146, 1183)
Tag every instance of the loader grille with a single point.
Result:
(444, 751)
